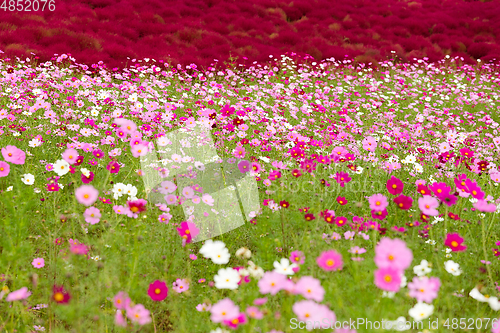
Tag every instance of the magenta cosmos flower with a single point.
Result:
(330, 260)
(454, 241)
(113, 167)
(393, 253)
(86, 195)
(395, 186)
(188, 231)
(13, 155)
(388, 279)
(158, 290)
(474, 189)
(403, 202)
(428, 205)
(235, 322)
(297, 257)
(378, 202)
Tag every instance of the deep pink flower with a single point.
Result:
(454, 241)
(342, 178)
(158, 290)
(235, 322)
(395, 186)
(188, 231)
(403, 202)
(297, 257)
(113, 167)
(474, 189)
(379, 215)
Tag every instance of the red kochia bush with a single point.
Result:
(117, 29)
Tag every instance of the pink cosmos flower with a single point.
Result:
(86, 195)
(357, 250)
(121, 300)
(260, 301)
(70, 155)
(18, 295)
(395, 186)
(388, 279)
(313, 312)
(223, 310)
(139, 150)
(393, 253)
(428, 205)
(13, 155)
(254, 312)
(271, 282)
(188, 192)
(120, 319)
(79, 249)
(138, 314)
(424, 289)
(180, 285)
(330, 260)
(484, 206)
(38, 262)
(92, 215)
(369, 143)
(378, 202)
(4, 169)
(297, 257)
(310, 288)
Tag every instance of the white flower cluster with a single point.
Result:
(120, 189)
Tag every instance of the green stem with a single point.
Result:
(486, 253)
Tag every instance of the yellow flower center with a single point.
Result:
(157, 291)
(388, 278)
(58, 297)
(330, 262)
(454, 244)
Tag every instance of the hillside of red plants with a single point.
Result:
(196, 31)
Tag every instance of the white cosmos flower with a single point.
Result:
(452, 267)
(216, 251)
(28, 179)
(227, 278)
(422, 269)
(85, 172)
(421, 311)
(244, 253)
(284, 267)
(118, 190)
(491, 300)
(61, 167)
(131, 190)
(255, 271)
(35, 143)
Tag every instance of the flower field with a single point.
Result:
(323, 196)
